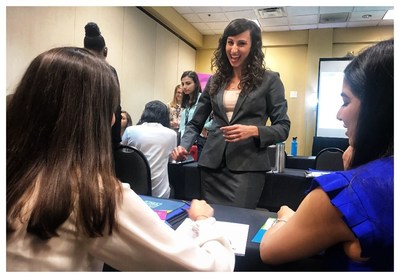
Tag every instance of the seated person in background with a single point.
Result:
(66, 210)
(126, 121)
(153, 137)
(349, 215)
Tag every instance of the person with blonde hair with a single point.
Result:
(174, 108)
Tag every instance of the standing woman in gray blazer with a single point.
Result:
(242, 94)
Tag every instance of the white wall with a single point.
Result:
(148, 58)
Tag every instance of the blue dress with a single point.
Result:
(365, 198)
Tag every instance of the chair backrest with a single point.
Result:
(329, 159)
(131, 166)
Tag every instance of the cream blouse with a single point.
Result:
(230, 99)
(142, 242)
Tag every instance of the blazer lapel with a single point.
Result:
(239, 103)
(220, 102)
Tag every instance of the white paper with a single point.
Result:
(236, 233)
(314, 174)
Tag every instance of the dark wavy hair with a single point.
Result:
(155, 112)
(59, 161)
(189, 100)
(370, 78)
(254, 67)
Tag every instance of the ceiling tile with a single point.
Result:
(374, 15)
(372, 8)
(249, 14)
(294, 11)
(192, 17)
(304, 19)
(213, 17)
(274, 21)
(331, 10)
(218, 25)
(183, 10)
(200, 9)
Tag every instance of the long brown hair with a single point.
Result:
(59, 157)
(370, 76)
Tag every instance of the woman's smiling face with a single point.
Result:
(349, 111)
(238, 48)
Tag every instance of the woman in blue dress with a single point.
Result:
(347, 216)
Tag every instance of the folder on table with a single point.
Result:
(172, 211)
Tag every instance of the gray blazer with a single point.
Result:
(254, 108)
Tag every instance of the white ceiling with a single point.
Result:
(213, 20)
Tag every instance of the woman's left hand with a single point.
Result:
(235, 133)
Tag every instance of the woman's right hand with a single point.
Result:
(199, 210)
(179, 153)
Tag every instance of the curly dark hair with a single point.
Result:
(254, 67)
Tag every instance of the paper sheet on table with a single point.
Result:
(236, 233)
(315, 173)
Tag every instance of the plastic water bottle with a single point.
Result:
(294, 147)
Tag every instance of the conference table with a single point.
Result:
(286, 188)
(251, 260)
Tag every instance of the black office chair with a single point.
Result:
(131, 166)
(329, 159)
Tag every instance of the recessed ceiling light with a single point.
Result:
(366, 16)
